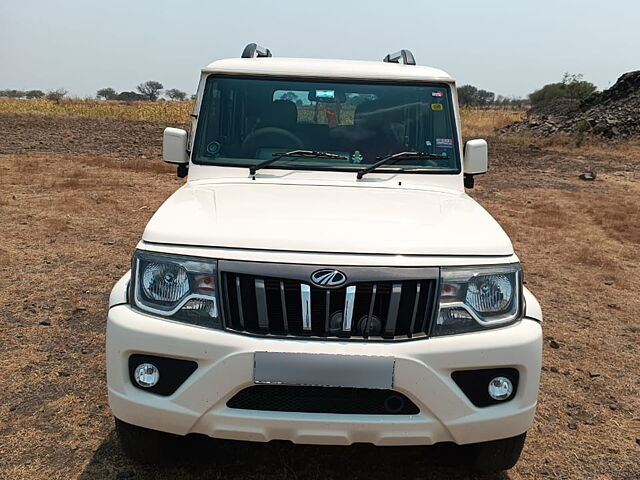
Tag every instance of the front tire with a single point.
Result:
(496, 455)
(148, 446)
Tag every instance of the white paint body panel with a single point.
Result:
(338, 218)
(327, 68)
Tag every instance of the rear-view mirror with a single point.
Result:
(476, 160)
(175, 145)
(476, 157)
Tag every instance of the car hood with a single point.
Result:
(327, 218)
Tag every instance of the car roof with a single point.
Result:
(325, 68)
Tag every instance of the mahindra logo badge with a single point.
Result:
(328, 278)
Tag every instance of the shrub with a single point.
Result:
(56, 95)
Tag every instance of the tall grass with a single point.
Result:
(483, 122)
(170, 112)
(476, 122)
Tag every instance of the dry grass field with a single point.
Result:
(77, 188)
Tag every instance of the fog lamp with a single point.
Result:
(146, 375)
(500, 388)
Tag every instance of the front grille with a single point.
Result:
(388, 309)
(363, 401)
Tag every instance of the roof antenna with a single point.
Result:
(254, 50)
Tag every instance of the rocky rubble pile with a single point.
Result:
(611, 114)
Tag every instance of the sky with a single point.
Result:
(508, 47)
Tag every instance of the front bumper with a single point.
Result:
(225, 366)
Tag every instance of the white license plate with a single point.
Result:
(315, 369)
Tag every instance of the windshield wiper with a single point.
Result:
(297, 154)
(396, 157)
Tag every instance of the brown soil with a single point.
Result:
(75, 196)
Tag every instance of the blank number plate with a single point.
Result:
(357, 371)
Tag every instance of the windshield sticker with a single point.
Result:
(439, 93)
(436, 106)
(213, 148)
(428, 143)
(444, 142)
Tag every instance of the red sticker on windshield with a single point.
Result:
(438, 93)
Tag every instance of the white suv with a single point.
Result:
(322, 277)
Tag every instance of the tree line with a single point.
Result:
(149, 91)
(572, 88)
(49, 95)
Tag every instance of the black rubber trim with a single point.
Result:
(173, 372)
(475, 384)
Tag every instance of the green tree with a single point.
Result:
(290, 96)
(107, 93)
(572, 87)
(485, 97)
(467, 95)
(56, 95)
(175, 94)
(150, 90)
(34, 94)
(12, 93)
(576, 88)
(129, 96)
(470, 95)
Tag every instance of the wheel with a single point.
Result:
(148, 446)
(496, 455)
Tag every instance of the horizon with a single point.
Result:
(89, 47)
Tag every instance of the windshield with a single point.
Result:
(245, 121)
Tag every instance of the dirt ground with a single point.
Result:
(75, 195)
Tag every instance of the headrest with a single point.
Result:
(281, 113)
(367, 113)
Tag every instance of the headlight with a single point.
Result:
(476, 298)
(181, 288)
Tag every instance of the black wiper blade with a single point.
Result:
(396, 157)
(294, 153)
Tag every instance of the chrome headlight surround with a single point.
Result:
(478, 298)
(180, 288)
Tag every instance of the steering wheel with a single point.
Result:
(270, 137)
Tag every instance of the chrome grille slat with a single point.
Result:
(261, 301)
(394, 305)
(283, 303)
(305, 296)
(372, 304)
(415, 309)
(349, 301)
(327, 310)
(239, 299)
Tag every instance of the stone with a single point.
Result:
(588, 176)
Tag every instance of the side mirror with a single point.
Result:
(174, 149)
(476, 160)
